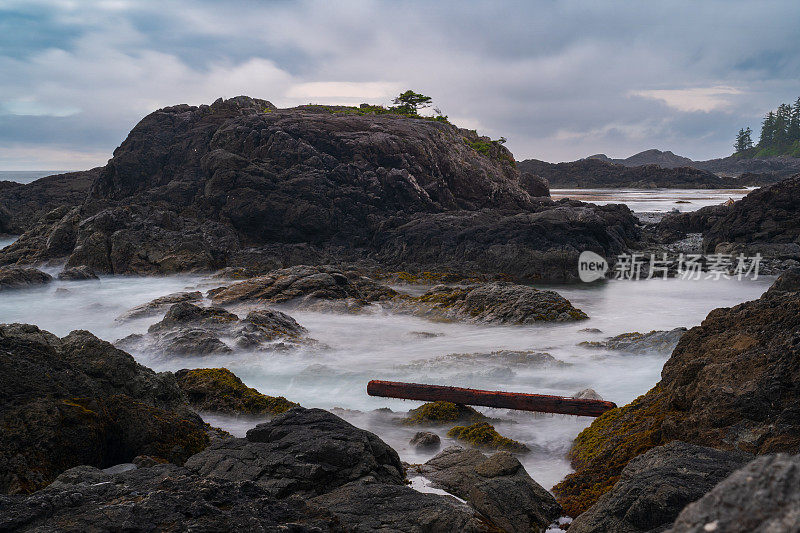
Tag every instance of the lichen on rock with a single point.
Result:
(220, 390)
(483, 435)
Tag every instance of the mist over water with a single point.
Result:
(653, 200)
(356, 348)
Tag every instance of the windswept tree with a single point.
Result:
(744, 140)
(410, 103)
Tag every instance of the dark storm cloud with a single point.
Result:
(560, 80)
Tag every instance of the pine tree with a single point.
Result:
(767, 131)
(744, 140)
(794, 122)
(782, 120)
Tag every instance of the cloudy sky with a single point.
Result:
(559, 79)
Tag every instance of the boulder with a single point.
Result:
(220, 390)
(77, 274)
(498, 487)
(730, 383)
(655, 487)
(440, 413)
(483, 435)
(19, 278)
(77, 400)
(486, 362)
(762, 496)
(305, 287)
(492, 303)
(640, 343)
(536, 186)
(425, 440)
(158, 498)
(189, 329)
(160, 305)
(304, 452)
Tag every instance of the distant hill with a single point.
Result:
(598, 173)
(649, 157)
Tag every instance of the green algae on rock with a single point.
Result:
(483, 435)
(441, 412)
(220, 390)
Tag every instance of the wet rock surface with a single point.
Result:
(78, 400)
(160, 305)
(77, 274)
(220, 390)
(484, 435)
(492, 303)
(189, 329)
(730, 383)
(762, 496)
(12, 278)
(655, 487)
(497, 486)
(426, 440)
(641, 343)
(306, 287)
(441, 412)
(240, 181)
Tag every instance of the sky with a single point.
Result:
(560, 80)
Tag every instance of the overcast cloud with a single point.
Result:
(560, 79)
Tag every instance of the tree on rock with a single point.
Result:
(744, 140)
(410, 102)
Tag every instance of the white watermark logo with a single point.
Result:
(591, 266)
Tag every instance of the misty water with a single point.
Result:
(378, 345)
(653, 200)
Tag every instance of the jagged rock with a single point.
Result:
(441, 412)
(595, 173)
(188, 329)
(730, 383)
(587, 394)
(497, 486)
(159, 498)
(675, 226)
(763, 217)
(19, 278)
(762, 496)
(493, 303)
(241, 182)
(305, 287)
(536, 186)
(426, 440)
(303, 452)
(27, 203)
(78, 400)
(220, 390)
(656, 486)
(483, 435)
(366, 507)
(640, 343)
(160, 304)
(77, 273)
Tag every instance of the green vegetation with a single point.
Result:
(219, 389)
(409, 102)
(441, 412)
(407, 105)
(780, 134)
(483, 435)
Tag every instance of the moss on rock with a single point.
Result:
(437, 413)
(483, 435)
(219, 389)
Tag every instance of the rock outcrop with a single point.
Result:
(19, 278)
(189, 329)
(640, 343)
(160, 305)
(241, 182)
(220, 390)
(77, 400)
(596, 173)
(762, 496)
(497, 486)
(80, 273)
(492, 303)
(655, 487)
(730, 383)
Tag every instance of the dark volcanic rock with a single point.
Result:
(730, 383)
(20, 278)
(675, 226)
(303, 452)
(78, 400)
(160, 305)
(220, 390)
(306, 287)
(492, 303)
(656, 486)
(762, 496)
(641, 343)
(77, 273)
(535, 185)
(26, 204)
(497, 486)
(202, 188)
(766, 216)
(159, 498)
(426, 440)
(595, 173)
(189, 329)
(364, 507)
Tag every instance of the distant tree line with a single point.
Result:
(780, 134)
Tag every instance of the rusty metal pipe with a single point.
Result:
(542, 403)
